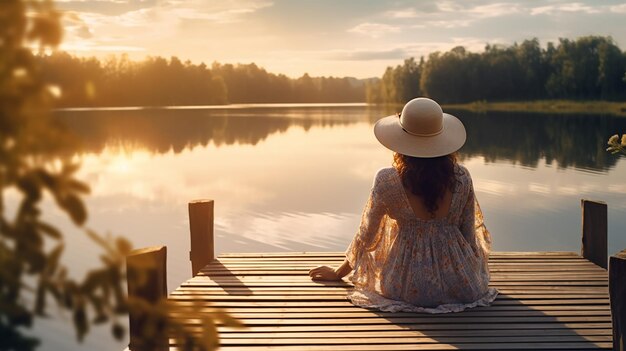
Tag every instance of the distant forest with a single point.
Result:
(588, 68)
(156, 81)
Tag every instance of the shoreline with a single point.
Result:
(537, 106)
(545, 106)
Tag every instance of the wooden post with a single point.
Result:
(594, 240)
(146, 278)
(201, 228)
(617, 293)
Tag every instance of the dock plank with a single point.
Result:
(548, 301)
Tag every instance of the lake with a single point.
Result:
(296, 178)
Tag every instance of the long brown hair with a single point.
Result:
(428, 178)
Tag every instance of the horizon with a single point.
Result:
(359, 40)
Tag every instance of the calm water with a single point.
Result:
(292, 178)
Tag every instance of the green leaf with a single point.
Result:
(78, 186)
(49, 230)
(70, 168)
(54, 257)
(75, 208)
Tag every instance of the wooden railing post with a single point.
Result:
(201, 229)
(147, 280)
(594, 238)
(617, 293)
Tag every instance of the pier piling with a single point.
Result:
(594, 228)
(146, 280)
(201, 228)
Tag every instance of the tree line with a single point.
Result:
(157, 81)
(589, 68)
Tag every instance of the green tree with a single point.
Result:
(587, 68)
(451, 77)
(591, 67)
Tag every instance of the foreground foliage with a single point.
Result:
(616, 146)
(35, 163)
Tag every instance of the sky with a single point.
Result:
(357, 38)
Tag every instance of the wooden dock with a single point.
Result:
(547, 301)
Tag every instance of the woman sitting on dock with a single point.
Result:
(422, 245)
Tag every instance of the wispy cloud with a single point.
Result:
(76, 26)
(218, 12)
(105, 7)
(421, 8)
(404, 51)
(450, 14)
(374, 30)
(618, 8)
(495, 10)
(446, 24)
(91, 48)
(102, 29)
(574, 7)
(368, 55)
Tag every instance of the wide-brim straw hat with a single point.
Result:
(421, 130)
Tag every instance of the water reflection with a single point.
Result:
(164, 130)
(297, 178)
(577, 141)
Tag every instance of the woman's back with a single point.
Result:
(421, 211)
(403, 261)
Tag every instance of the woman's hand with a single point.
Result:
(323, 273)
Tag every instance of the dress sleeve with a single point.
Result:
(473, 226)
(369, 233)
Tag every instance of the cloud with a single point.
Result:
(450, 15)
(369, 55)
(447, 24)
(225, 16)
(93, 47)
(374, 30)
(618, 8)
(165, 13)
(102, 29)
(75, 26)
(495, 10)
(422, 8)
(407, 13)
(404, 51)
(574, 7)
(105, 7)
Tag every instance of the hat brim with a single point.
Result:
(390, 133)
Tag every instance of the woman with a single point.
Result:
(422, 245)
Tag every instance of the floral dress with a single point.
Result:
(404, 263)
